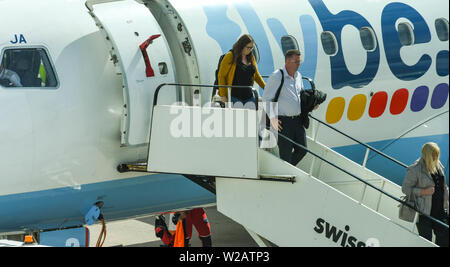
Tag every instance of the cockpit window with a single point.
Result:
(27, 68)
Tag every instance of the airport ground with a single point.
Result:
(141, 232)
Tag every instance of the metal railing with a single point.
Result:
(313, 87)
(158, 89)
(359, 142)
(155, 101)
(155, 98)
(365, 182)
(368, 149)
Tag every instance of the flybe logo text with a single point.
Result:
(392, 12)
(343, 238)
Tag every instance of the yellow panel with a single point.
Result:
(356, 107)
(335, 110)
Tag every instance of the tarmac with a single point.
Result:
(140, 232)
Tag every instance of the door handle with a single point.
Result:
(143, 47)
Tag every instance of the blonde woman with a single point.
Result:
(425, 181)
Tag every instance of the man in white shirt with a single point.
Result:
(286, 119)
(11, 76)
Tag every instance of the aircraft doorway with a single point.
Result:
(141, 55)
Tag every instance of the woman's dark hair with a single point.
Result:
(243, 41)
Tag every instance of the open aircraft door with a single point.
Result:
(141, 56)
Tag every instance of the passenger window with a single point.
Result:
(256, 53)
(287, 43)
(442, 29)
(406, 33)
(27, 67)
(329, 43)
(368, 38)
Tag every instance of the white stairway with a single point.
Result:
(322, 207)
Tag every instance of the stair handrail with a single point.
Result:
(360, 142)
(366, 183)
(313, 87)
(303, 147)
(155, 98)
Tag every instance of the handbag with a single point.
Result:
(407, 213)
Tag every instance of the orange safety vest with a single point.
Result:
(179, 235)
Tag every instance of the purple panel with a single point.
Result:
(440, 96)
(419, 98)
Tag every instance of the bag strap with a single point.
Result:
(275, 99)
(277, 95)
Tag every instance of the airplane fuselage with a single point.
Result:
(61, 140)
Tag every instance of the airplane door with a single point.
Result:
(127, 26)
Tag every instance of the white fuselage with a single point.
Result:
(70, 137)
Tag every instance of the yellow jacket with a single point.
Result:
(227, 70)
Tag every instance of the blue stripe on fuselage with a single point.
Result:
(220, 27)
(65, 207)
(256, 29)
(406, 150)
(309, 64)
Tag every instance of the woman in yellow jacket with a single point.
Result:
(239, 67)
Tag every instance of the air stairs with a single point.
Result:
(327, 200)
(324, 207)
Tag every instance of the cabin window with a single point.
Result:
(27, 68)
(368, 38)
(406, 33)
(441, 26)
(287, 43)
(329, 43)
(256, 53)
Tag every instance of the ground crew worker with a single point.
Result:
(196, 217)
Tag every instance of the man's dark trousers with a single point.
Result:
(292, 128)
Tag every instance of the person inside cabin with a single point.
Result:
(239, 68)
(425, 180)
(11, 77)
